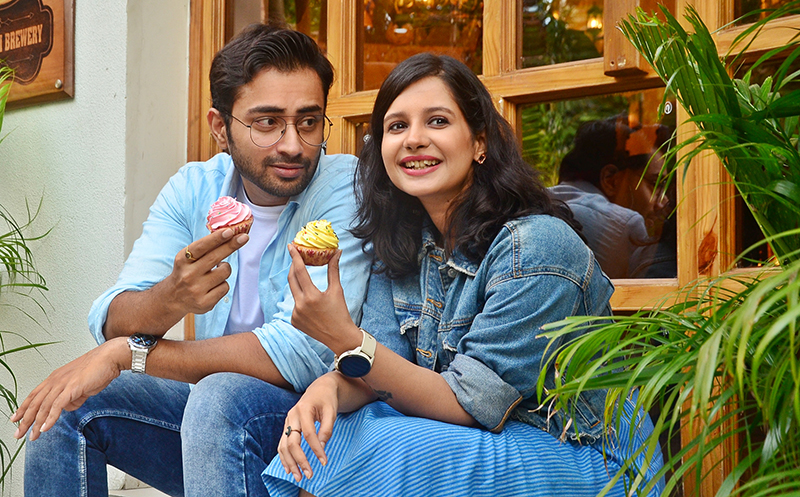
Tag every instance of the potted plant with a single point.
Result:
(722, 358)
(19, 278)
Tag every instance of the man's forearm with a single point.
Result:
(150, 311)
(191, 361)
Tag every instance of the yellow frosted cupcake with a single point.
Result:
(316, 242)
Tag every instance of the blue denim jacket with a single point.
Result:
(477, 324)
(178, 217)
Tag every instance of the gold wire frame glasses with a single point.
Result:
(266, 131)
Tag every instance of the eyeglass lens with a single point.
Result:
(313, 129)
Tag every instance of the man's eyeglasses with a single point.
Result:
(266, 131)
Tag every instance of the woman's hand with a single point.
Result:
(322, 315)
(319, 403)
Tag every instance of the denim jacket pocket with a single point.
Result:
(409, 324)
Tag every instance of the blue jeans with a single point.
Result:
(212, 440)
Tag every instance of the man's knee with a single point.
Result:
(232, 400)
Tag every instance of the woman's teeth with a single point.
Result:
(420, 164)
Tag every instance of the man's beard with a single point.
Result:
(273, 184)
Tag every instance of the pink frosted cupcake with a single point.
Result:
(228, 213)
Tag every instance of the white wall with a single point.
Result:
(98, 161)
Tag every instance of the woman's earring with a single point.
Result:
(481, 159)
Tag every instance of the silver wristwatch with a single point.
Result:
(140, 345)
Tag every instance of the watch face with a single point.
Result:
(354, 366)
(144, 341)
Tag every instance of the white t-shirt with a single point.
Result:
(246, 313)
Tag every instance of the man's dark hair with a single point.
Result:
(504, 186)
(606, 141)
(258, 47)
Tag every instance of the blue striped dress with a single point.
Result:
(376, 451)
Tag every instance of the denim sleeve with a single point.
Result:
(164, 234)
(499, 360)
(380, 319)
(299, 358)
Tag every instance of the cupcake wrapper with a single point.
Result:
(315, 257)
(243, 227)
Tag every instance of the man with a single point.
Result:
(611, 181)
(269, 91)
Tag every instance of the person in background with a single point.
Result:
(612, 180)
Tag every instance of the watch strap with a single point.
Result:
(138, 360)
(140, 345)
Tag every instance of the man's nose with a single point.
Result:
(290, 144)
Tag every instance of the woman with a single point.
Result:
(473, 258)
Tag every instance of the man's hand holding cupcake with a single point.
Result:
(199, 275)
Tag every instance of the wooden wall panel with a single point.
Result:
(207, 34)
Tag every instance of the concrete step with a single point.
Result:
(137, 492)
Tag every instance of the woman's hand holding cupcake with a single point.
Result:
(321, 315)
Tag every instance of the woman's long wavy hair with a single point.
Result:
(504, 187)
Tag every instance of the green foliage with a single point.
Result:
(716, 354)
(752, 128)
(722, 358)
(5, 86)
(19, 277)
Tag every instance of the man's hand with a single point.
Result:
(197, 281)
(196, 284)
(69, 386)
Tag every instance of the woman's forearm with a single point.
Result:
(353, 393)
(414, 390)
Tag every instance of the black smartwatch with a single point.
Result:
(140, 345)
(357, 362)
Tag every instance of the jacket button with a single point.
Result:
(451, 273)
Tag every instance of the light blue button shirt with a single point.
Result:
(178, 217)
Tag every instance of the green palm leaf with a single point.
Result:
(18, 276)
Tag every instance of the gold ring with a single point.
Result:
(289, 431)
(189, 255)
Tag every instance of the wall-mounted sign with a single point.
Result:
(36, 41)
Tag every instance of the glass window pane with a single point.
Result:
(307, 16)
(555, 31)
(600, 156)
(362, 134)
(394, 30)
(742, 7)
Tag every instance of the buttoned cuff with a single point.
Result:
(481, 392)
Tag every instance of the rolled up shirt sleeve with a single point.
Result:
(499, 360)
(166, 231)
(299, 358)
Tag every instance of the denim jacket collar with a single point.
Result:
(456, 261)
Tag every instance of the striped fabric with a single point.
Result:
(377, 451)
